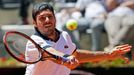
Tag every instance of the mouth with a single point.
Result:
(47, 25)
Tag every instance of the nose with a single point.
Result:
(47, 19)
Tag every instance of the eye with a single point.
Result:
(42, 18)
(50, 17)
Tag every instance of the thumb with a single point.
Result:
(126, 60)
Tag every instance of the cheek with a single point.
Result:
(54, 23)
(39, 24)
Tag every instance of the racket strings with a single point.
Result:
(17, 47)
(24, 49)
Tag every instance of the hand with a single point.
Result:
(118, 52)
(70, 61)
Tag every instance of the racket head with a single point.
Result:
(16, 45)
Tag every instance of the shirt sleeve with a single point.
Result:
(32, 53)
(69, 41)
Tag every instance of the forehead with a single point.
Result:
(45, 12)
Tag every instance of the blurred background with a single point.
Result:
(102, 25)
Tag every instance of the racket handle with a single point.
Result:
(63, 59)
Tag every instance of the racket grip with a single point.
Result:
(64, 58)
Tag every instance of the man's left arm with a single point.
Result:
(84, 56)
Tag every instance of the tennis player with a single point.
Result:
(60, 44)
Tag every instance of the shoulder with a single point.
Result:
(37, 39)
(64, 33)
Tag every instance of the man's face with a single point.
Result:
(45, 22)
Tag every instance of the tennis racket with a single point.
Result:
(15, 44)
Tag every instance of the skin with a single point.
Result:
(45, 22)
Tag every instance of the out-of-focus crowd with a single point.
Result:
(115, 17)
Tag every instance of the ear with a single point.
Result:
(34, 23)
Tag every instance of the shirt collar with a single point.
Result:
(37, 32)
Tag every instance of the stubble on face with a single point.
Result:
(46, 22)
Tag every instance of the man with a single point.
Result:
(60, 44)
(23, 12)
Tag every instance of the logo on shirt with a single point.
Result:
(66, 46)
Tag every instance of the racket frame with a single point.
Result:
(41, 50)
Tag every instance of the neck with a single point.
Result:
(53, 36)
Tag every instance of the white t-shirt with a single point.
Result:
(122, 10)
(64, 44)
(93, 8)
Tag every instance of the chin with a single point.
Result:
(48, 32)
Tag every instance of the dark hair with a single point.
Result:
(38, 7)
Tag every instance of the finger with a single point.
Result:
(71, 62)
(121, 47)
(62, 62)
(124, 50)
(125, 59)
(119, 53)
(68, 61)
(124, 45)
(76, 61)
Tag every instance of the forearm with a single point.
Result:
(62, 57)
(84, 56)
